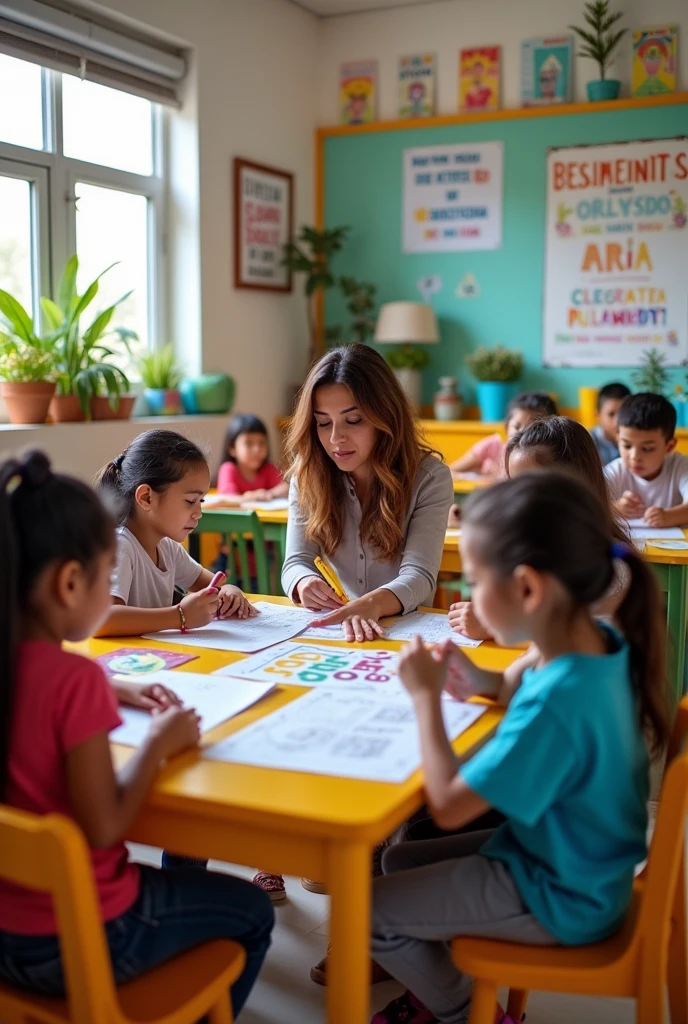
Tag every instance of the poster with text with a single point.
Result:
(453, 197)
(263, 206)
(417, 85)
(616, 254)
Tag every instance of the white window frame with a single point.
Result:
(54, 177)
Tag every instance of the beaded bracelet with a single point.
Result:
(182, 617)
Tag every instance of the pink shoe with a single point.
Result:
(404, 1010)
(273, 885)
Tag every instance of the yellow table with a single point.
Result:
(462, 487)
(287, 822)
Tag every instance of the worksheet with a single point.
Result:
(214, 699)
(298, 664)
(432, 627)
(274, 624)
(274, 505)
(340, 732)
(641, 531)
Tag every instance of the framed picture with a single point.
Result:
(263, 224)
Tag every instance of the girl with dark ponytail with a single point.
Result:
(57, 552)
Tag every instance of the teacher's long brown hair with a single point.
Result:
(396, 457)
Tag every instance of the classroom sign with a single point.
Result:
(453, 197)
(616, 254)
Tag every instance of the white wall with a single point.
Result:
(447, 26)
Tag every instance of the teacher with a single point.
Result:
(366, 494)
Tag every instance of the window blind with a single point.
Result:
(74, 43)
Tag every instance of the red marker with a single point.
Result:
(216, 581)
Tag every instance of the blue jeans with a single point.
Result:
(177, 909)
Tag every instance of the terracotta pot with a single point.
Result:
(66, 409)
(102, 410)
(27, 402)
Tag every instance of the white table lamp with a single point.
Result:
(407, 324)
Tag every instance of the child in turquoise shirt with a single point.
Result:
(568, 766)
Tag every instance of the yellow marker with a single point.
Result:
(331, 579)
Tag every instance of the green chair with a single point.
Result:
(240, 530)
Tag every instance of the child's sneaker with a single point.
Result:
(273, 885)
(404, 1010)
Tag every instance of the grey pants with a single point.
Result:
(432, 891)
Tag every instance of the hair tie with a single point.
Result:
(620, 550)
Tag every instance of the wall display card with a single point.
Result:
(546, 66)
(343, 733)
(479, 78)
(453, 197)
(654, 61)
(358, 92)
(274, 624)
(263, 216)
(215, 700)
(616, 249)
(140, 662)
(300, 664)
(417, 76)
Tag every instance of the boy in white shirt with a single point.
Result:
(650, 479)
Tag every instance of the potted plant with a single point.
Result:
(360, 304)
(313, 257)
(652, 374)
(408, 362)
(496, 370)
(27, 363)
(680, 404)
(599, 43)
(81, 373)
(161, 376)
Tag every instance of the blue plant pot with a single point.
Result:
(604, 89)
(493, 398)
(163, 402)
(681, 413)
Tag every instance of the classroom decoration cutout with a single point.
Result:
(429, 285)
(616, 254)
(358, 92)
(468, 287)
(479, 78)
(452, 197)
(417, 85)
(546, 71)
(654, 61)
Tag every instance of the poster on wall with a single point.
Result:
(546, 66)
(654, 61)
(453, 197)
(358, 92)
(263, 215)
(417, 85)
(479, 78)
(616, 253)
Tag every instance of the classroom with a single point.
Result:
(343, 511)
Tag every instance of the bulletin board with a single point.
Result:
(362, 175)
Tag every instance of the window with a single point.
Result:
(80, 171)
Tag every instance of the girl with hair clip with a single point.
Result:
(57, 552)
(568, 766)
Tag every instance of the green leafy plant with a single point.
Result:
(495, 364)
(160, 370)
(360, 296)
(312, 255)
(80, 353)
(652, 374)
(18, 332)
(25, 364)
(408, 357)
(599, 42)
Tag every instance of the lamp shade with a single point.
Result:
(406, 322)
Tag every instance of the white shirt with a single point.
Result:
(140, 583)
(670, 488)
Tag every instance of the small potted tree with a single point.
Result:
(161, 376)
(27, 364)
(496, 371)
(312, 255)
(652, 374)
(599, 43)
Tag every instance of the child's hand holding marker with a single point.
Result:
(232, 601)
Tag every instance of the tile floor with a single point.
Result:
(285, 994)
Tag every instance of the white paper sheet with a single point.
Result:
(433, 628)
(340, 732)
(214, 699)
(670, 545)
(274, 624)
(299, 664)
(641, 531)
(275, 505)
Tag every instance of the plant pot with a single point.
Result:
(162, 402)
(209, 393)
(681, 412)
(102, 410)
(27, 401)
(493, 398)
(604, 89)
(66, 409)
(587, 407)
(411, 382)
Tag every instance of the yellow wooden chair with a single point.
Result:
(648, 952)
(50, 854)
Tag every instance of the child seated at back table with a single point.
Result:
(650, 479)
(246, 469)
(605, 434)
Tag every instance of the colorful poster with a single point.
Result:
(546, 66)
(654, 61)
(616, 254)
(479, 78)
(263, 215)
(140, 661)
(453, 197)
(358, 92)
(417, 85)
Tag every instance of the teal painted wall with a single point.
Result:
(363, 183)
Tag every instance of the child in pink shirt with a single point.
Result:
(246, 469)
(57, 553)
